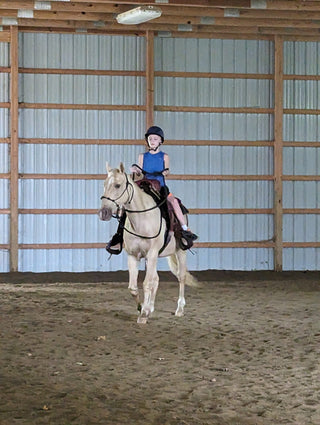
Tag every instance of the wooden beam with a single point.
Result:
(4, 36)
(150, 79)
(50, 141)
(205, 177)
(208, 109)
(278, 153)
(82, 106)
(14, 147)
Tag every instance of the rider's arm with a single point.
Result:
(140, 160)
(166, 165)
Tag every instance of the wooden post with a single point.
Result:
(150, 79)
(278, 153)
(14, 144)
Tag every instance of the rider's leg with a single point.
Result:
(187, 235)
(114, 246)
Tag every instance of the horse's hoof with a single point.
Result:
(179, 313)
(142, 320)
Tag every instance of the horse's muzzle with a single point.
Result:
(105, 214)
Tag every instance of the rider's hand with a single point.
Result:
(135, 169)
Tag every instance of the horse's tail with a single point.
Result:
(174, 267)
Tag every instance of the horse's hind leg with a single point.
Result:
(133, 279)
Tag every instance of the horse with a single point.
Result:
(144, 233)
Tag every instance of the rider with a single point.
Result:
(155, 165)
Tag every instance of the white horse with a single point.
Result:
(144, 234)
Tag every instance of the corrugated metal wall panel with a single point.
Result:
(75, 52)
(82, 51)
(301, 58)
(75, 260)
(229, 56)
(75, 159)
(83, 89)
(246, 259)
(57, 123)
(213, 55)
(301, 128)
(4, 122)
(301, 259)
(198, 55)
(4, 54)
(213, 92)
(4, 85)
(215, 126)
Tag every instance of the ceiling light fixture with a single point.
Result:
(9, 21)
(138, 15)
(42, 5)
(25, 13)
(258, 4)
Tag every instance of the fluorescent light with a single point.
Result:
(99, 24)
(25, 13)
(258, 4)
(184, 27)
(231, 13)
(42, 5)
(207, 20)
(138, 15)
(164, 34)
(9, 21)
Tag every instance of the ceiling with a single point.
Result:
(202, 18)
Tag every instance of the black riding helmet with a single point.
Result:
(154, 130)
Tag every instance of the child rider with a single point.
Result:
(155, 161)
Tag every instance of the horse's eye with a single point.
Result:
(117, 186)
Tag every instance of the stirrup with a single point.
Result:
(186, 240)
(117, 239)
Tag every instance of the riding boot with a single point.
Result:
(186, 239)
(114, 246)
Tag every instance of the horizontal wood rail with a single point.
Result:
(244, 143)
(82, 106)
(142, 142)
(92, 211)
(211, 109)
(242, 244)
(170, 177)
(96, 72)
(224, 177)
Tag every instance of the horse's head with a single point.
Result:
(116, 192)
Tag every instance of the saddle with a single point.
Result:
(159, 194)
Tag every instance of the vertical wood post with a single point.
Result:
(150, 79)
(278, 153)
(14, 144)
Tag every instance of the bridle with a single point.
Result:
(124, 190)
(157, 205)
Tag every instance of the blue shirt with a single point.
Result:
(154, 163)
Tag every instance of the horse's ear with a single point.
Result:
(121, 167)
(108, 168)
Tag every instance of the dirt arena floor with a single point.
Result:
(247, 351)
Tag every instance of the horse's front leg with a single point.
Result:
(150, 287)
(182, 273)
(133, 279)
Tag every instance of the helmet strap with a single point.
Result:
(153, 149)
